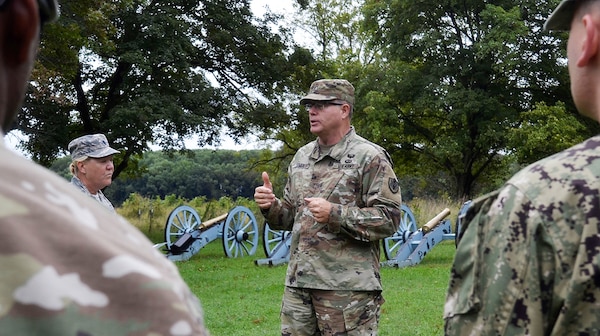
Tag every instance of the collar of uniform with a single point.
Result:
(337, 151)
(77, 182)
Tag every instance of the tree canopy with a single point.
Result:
(461, 94)
(458, 78)
(155, 72)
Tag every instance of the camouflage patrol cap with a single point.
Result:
(561, 17)
(93, 145)
(330, 89)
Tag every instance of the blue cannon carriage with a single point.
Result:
(186, 234)
(406, 247)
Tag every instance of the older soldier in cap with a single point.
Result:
(341, 198)
(528, 262)
(92, 166)
(67, 266)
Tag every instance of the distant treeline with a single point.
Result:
(203, 172)
(214, 174)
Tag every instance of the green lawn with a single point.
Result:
(240, 298)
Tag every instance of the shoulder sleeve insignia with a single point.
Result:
(394, 185)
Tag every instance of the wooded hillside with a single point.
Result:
(209, 173)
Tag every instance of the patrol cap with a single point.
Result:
(49, 10)
(93, 145)
(561, 17)
(330, 89)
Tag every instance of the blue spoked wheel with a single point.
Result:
(183, 219)
(408, 225)
(240, 233)
(272, 239)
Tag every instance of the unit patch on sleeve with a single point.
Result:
(394, 185)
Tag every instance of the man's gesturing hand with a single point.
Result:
(263, 195)
(319, 207)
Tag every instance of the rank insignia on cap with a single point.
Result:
(394, 185)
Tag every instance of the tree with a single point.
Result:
(545, 130)
(459, 76)
(335, 47)
(155, 71)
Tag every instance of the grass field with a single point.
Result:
(240, 298)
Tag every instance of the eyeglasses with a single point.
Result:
(49, 9)
(320, 106)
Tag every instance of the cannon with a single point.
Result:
(406, 247)
(277, 243)
(186, 234)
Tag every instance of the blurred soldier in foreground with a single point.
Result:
(341, 198)
(528, 262)
(92, 166)
(69, 267)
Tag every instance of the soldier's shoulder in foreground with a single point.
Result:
(76, 265)
(574, 171)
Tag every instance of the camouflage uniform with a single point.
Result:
(360, 318)
(528, 262)
(71, 268)
(99, 197)
(356, 176)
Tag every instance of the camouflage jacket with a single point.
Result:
(343, 254)
(99, 197)
(528, 262)
(70, 267)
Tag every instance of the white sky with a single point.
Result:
(277, 6)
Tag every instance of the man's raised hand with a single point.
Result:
(263, 195)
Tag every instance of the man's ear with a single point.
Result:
(346, 110)
(21, 27)
(589, 49)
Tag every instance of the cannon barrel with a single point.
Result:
(212, 221)
(435, 221)
(185, 235)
